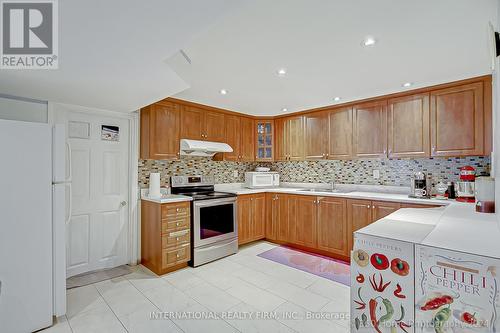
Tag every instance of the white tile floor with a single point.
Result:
(241, 289)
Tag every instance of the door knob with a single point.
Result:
(123, 203)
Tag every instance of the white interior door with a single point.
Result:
(97, 232)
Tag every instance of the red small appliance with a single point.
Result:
(466, 184)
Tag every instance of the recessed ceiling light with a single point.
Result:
(369, 41)
(281, 72)
(407, 84)
(223, 92)
(284, 110)
(336, 99)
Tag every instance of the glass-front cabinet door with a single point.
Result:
(264, 148)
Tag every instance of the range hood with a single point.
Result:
(203, 148)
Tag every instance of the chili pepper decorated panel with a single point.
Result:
(382, 285)
(456, 292)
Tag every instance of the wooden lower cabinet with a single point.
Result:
(332, 228)
(381, 209)
(251, 217)
(165, 236)
(302, 220)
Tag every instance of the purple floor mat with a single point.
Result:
(331, 269)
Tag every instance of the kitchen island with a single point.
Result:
(439, 268)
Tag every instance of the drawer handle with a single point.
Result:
(178, 233)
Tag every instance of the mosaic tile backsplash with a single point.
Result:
(394, 172)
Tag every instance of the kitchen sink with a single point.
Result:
(327, 190)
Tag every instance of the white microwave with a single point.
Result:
(261, 179)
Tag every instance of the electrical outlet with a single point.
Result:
(235, 173)
(376, 174)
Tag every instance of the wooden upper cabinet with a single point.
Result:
(199, 124)
(370, 129)
(247, 140)
(264, 140)
(340, 133)
(214, 126)
(192, 123)
(233, 137)
(280, 147)
(408, 126)
(316, 138)
(332, 225)
(295, 138)
(381, 209)
(457, 120)
(156, 142)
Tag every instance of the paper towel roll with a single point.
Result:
(154, 185)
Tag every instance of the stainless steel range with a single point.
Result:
(213, 218)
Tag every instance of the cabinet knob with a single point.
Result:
(177, 238)
(373, 207)
(178, 255)
(177, 209)
(385, 151)
(368, 206)
(178, 224)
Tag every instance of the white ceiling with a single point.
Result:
(319, 43)
(112, 53)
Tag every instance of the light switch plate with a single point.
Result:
(376, 174)
(235, 173)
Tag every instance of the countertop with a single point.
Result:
(456, 227)
(365, 192)
(165, 197)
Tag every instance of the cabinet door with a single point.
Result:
(457, 116)
(164, 131)
(332, 225)
(192, 123)
(408, 126)
(259, 216)
(247, 140)
(340, 133)
(315, 137)
(280, 139)
(359, 215)
(283, 233)
(233, 137)
(370, 129)
(295, 138)
(383, 208)
(272, 211)
(264, 140)
(214, 126)
(244, 218)
(303, 220)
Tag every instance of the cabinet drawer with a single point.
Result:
(169, 211)
(175, 256)
(175, 238)
(175, 224)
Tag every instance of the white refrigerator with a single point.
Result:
(33, 186)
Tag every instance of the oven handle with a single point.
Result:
(214, 202)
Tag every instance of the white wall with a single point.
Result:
(23, 109)
(496, 125)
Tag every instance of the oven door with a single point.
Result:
(214, 220)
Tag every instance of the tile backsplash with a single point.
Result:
(360, 171)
